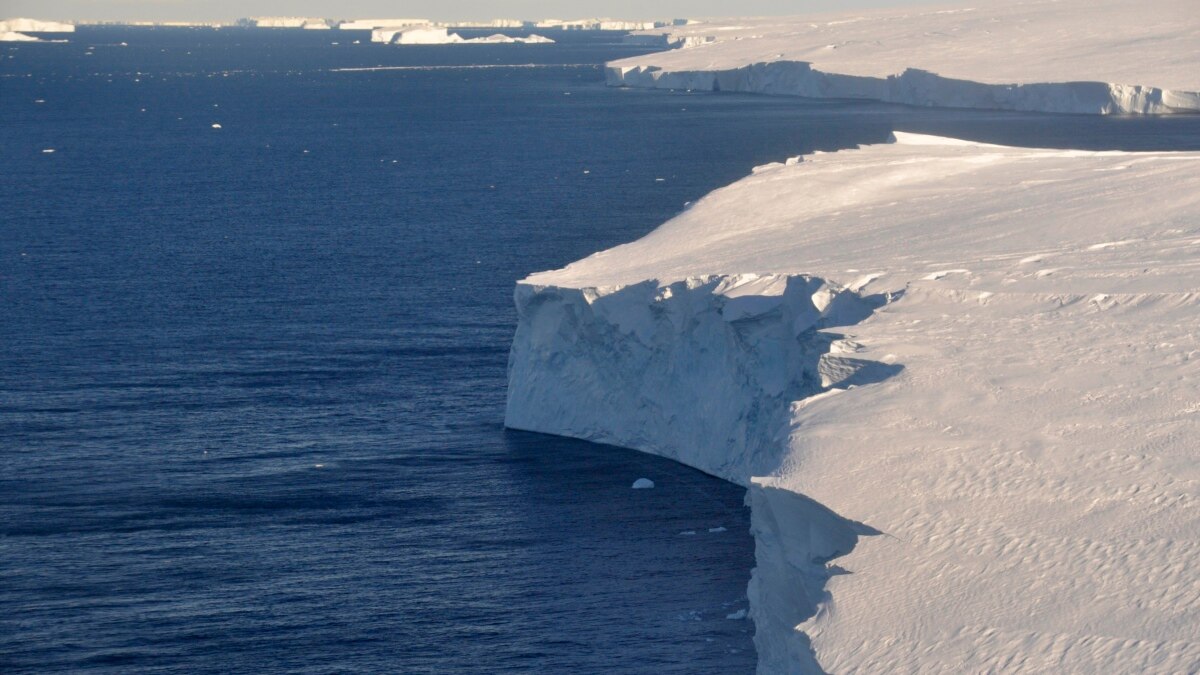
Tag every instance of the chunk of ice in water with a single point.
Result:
(643, 484)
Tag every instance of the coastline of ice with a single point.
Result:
(433, 35)
(959, 381)
(1065, 56)
(15, 30)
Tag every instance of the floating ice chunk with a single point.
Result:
(942, 274)
(688, 533)
(737, 616)
(643, 484)
(716, 529)
(48, 151)
(216, 126)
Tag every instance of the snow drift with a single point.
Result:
(959, 380)
(1064, 56)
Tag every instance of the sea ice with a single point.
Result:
(643, 484)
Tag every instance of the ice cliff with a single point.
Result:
(1065, 56)
(961, 382)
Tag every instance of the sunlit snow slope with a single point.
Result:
(1070, 56)
(962, 382)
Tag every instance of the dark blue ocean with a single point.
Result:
(252, 378)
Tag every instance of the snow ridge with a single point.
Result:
(963, 400)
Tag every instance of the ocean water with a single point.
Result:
(252, 377)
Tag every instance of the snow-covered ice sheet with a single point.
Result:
(1075, 56)
(961, 381)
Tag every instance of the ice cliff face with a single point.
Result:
(963, 400)
(35, 26)
(1063, 56)
(615, 365)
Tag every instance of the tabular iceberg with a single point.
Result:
(14, 30)
(961, 382)
(1067, 56)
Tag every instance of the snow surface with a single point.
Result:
(305, 22)
(10, 36)
(1079, 56)
(961, 381)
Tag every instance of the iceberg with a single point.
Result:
(500, 38)
(1064, 56)
(14, 30)
(304, 22)
(959, 381)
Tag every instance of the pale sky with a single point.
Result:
(227, 10)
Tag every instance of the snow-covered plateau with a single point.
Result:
(434, 35)
(960, 381)
(11, 36)
(1066, 56)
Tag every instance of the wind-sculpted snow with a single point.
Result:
(35, 26)
(1065, 56)
(962, 385)
(14, 30)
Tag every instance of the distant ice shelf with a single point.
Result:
(1062, 56)
(961, 382)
